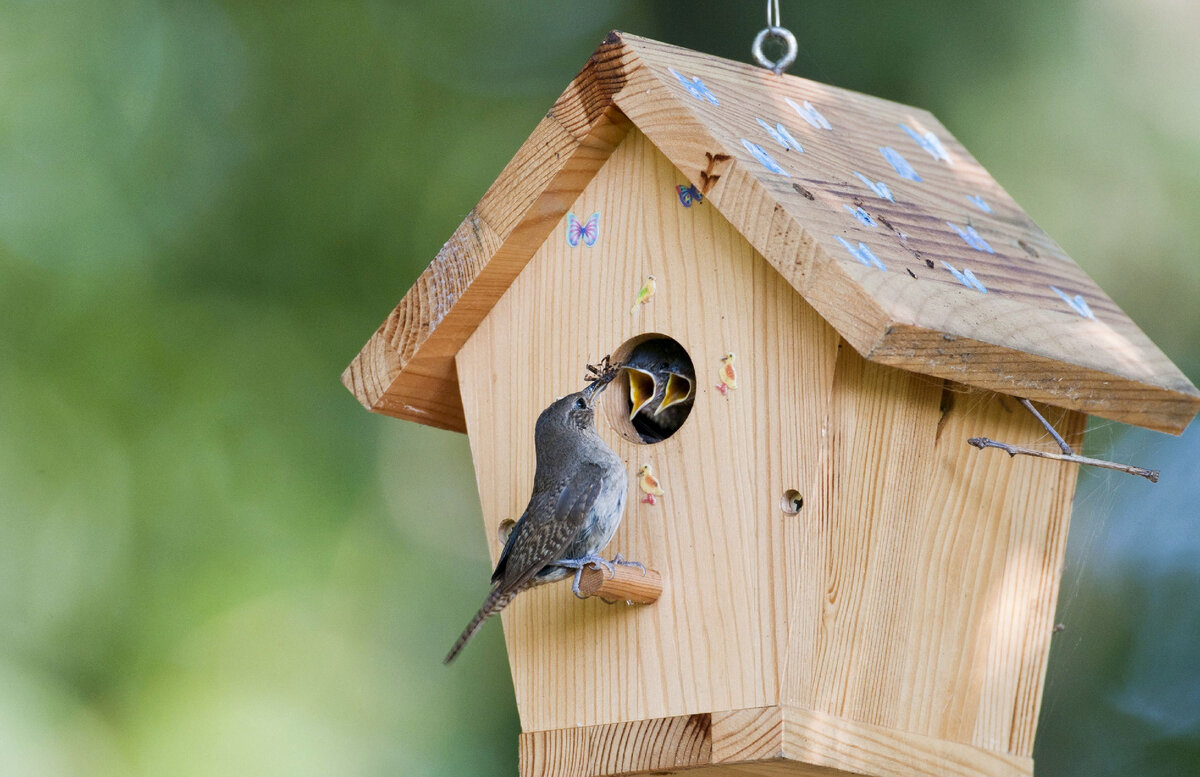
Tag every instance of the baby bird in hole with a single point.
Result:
(661, 388)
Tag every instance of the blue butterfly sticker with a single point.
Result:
(897, 160)
(979, 202)
(878, 187)
(688, 195)
(586, 232)
(695, 86)
(1077, 303)
(965, 277)
(971, 237)
(780, 135)
(764, 158)
(862, 252)
(862, 216)
(929, 142)
(810, 114)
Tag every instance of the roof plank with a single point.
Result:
(870, 209)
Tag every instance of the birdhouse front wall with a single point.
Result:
(911, 594)
(709, 642)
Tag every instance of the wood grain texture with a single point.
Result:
(663, 745)
(767, 741)
(1022, 337)
(933, 608)
(862, 748)
(747, 735)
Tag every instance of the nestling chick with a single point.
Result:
(661, 388)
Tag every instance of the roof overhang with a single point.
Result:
(956, 281)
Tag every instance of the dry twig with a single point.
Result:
(1067, 453)
(1013, 450)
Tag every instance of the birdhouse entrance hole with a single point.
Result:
(653, 396)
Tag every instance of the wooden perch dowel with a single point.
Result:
(627, 584)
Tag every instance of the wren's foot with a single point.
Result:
(619, 561)
(578, 565)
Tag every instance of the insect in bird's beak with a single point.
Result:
(599, 378)
(642, 388)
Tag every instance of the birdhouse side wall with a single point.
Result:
(928, 573)
(717, 637)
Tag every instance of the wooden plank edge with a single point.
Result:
(822, 739)
(425, 395)
(653, 745)
(776, 734)
(1162, 408)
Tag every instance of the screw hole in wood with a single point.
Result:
(504, 529)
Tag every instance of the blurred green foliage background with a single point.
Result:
(214, 562)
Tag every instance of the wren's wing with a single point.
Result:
(548, 526)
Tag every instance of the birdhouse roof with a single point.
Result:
(870, 209)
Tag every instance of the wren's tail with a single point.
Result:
(493, 604)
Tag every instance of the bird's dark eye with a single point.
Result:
(581, 404)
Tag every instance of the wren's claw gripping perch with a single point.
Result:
(610, 580)
(620, 561)
(632, 583)
(578, 564)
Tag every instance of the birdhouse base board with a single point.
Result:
(780, 740)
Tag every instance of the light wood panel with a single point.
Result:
(854, 747)
(928, 575)
(715, 638)
(914, 590)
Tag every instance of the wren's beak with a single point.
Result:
(642, 387)
(679, 389)
(590, 391)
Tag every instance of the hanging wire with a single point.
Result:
(774, 31)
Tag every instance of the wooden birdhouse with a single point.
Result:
(847, 583)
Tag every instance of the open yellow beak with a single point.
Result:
(642, 387)
(679, 389)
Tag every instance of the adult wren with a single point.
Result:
(578, 499)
